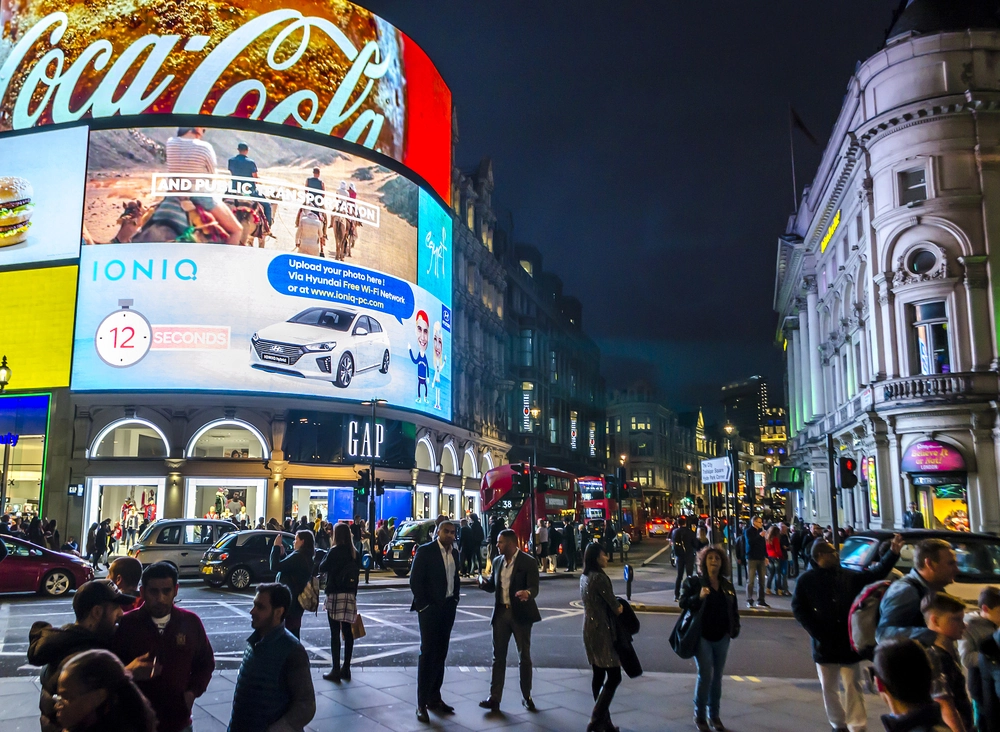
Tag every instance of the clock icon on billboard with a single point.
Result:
(123, 338)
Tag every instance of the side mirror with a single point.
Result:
(360, 332)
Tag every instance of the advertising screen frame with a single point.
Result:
(45, 446)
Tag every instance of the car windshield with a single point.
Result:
(325, 318)
(855, 550)
(420, 532)
(224, 541)
(145, 534)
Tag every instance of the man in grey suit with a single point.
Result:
(515, 586)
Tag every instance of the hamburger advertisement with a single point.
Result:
(41, 196)
(329, 67)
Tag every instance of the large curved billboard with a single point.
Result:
(329, 67)
(225, 260)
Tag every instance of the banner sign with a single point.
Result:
(716, 470)
(932, 456)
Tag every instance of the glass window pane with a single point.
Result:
(133, 440)
(230, 441)
(942, 358)
(170, 535)
(912, 186)
(924, 347)
(930, 311)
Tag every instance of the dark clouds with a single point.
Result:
(642, 146)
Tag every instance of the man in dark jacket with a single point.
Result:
(913, 519)
(496, 526)
(821, 603)
(166, 649)
(569, 545)
(98, 608)
(682, 539)
(465, 542)
(435, 585)
(274, 689)
(478, 537)
(795, 541)
(515, 586)
(755, 547)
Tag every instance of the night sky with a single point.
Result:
(642, 146)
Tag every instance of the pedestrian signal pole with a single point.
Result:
(834, 482)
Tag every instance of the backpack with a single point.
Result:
(864, 615)
(309, 597)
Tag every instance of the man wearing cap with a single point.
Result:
(98, 608)
(241, 166)
(166, 649)
(821, 603)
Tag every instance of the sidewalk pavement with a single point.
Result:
(383, 700)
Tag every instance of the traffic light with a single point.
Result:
(364, 484)
(848, 472)
(612, 488)
(521, 479)
(379, 487)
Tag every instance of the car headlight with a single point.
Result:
(320, 347)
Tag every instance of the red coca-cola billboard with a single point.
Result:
(330, 67)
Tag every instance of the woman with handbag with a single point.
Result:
(711, 596)
(599, 633)
(343, 569)
(295, 572)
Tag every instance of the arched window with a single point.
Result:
(449, 460)
(130, 438)
(469, 464)
(228, 438)
(486, 464)
(425, 455)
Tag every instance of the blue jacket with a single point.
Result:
(899, 612)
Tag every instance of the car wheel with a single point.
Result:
(57, 583)
(239, 578)
(345, 371)
(385, 362)
(401, 572)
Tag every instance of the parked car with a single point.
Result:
(242, 558)
(978, 556)
(326, 343)
(181, 542)
(32, 568)
(398, 553)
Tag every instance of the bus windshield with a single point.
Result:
(591, 490)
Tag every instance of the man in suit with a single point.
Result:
(435, 585)
(515, 585)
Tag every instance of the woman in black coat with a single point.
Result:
(343, 569)
(294, 571)
(713, 593)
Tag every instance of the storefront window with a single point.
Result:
(931, 326)
(23, 426)
(228, 441)
(131, 440)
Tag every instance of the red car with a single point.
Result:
(32, 568)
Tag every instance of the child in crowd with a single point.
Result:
(944, 614)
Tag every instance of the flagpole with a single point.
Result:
(791, 144)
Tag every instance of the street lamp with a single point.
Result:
(5, 374)
(535, 413)
(372, 445)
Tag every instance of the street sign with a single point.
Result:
(716, 470)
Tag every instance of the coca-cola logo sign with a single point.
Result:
(332, 68)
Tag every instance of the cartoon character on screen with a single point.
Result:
(438, 363)
(437, 252)
(423, 330)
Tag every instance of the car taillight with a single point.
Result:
(224, 556)
(414, 552)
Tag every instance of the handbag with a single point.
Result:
(309, 597)
(687, 632)
(358, 627)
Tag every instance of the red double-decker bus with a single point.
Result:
(556, 501)
(598, 507)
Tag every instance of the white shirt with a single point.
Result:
(449, 568)
(189, 155)
(506, 573)
(161, 623)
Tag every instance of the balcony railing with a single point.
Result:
(937, 388)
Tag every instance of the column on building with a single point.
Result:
(852, 374)
(806, 367)
(976, 282)
(815, 367)
(794, 389)
(865, 358)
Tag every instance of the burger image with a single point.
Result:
(15, 210)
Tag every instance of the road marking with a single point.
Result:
(397, 626)
(736, 678)
(655, 556)
(477, 616)
(754, 679)
(4, 619)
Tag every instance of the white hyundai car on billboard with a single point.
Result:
(326, 343)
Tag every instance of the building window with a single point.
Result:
(912, 187)
(921, 261)
(553, 367)
(526, 348)
(931, 325)
(642, 448)
(643, 477)
(640, 423)
(618, 425)
(553, 430)
(526, 266)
